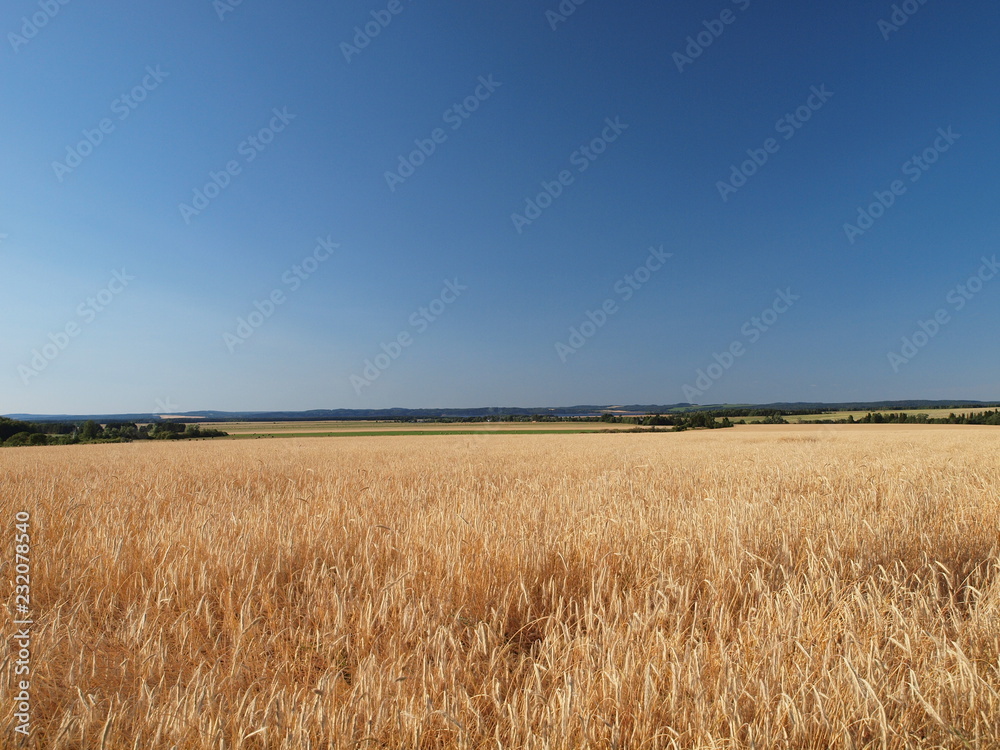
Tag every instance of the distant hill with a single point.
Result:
(315, 415)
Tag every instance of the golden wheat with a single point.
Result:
(797, 587)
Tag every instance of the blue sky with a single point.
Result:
(435, 287)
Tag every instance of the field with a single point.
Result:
(375, 428)
(932, 413)
(757, 587)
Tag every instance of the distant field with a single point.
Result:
(302, 429)
(766, 586)
(372, 428)
(405, 433)
(933, 413)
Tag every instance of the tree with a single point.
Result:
(10, 427)
(16, 441)
(90, 430)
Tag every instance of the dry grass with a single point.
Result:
(803, 588)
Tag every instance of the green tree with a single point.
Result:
(10, 427)
(16, 441)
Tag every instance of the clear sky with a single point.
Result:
(264, 205)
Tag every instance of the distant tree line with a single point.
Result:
(889, 406)
(989, 417)
(609, 417)
(678, 421)
(523, 418)
(681, 422)
(763, 412)
(14, 433)
(707, 419)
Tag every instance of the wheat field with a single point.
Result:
(757, 587)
